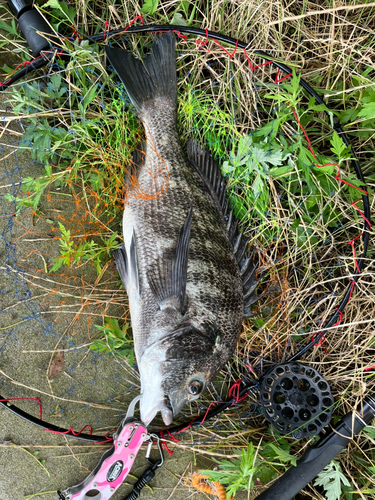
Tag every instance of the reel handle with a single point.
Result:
(315, 459)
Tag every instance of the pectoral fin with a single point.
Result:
(119, 254)
(127, 266)
(168, 282)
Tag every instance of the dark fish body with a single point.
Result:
(179, 265)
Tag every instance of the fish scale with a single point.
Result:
(183, 278)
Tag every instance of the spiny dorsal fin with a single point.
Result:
(168, 283)
(206, 165)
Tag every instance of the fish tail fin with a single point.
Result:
(150, 79)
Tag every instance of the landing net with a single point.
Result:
(67, 139)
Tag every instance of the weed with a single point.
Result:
(116, 340)
(254, 465)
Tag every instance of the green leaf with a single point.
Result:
(150, 7)
(338, 146)
(270, 127)
(368, 111)
(68, 12)
(331, 478)
(370, 432)
(10, 29)
(279, 171)
(178, 19)
(90, 96)
(283, 455)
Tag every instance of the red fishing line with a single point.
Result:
(72, 431)
(320, 341)
(27, 399)
(75, 33)
(278, 80)
(164, 445)
(252, 68)
(360, 211)
(130, 24)
(106, 28)
(351, 243)
(340, 317)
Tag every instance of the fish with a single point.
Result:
(185, 264)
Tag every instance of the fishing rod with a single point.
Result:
(40, 38)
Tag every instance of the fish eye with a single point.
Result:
(195, 387)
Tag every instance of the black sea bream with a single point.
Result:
(184, 264)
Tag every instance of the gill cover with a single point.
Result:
(176, 370)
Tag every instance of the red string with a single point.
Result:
(320, 341)
(22, 64)
(234, 50)
(27, 399)
(200, 42)
(106, 28)
(259, 65)
(278, 80)
(340, 317)
(187, 427)
(351, 243)
(173, 31)
(337, 176)
(369, 368)
(131, 23)
(75, 33)
(234, 392)
(351, 290)
(362, 214)
(181, 35)
(164, 445)
(71, 430)
(172, 437)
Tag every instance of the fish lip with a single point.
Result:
(165, 408)
(167, 412)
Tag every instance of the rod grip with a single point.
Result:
(30, 21)
(315, 459)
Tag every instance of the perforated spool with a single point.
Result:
(296, 400)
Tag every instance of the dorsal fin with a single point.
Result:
(210, 171)
(208, 167)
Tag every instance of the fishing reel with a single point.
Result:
(296, 400)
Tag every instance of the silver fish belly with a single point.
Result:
(182, 269)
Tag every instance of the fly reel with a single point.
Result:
(296, 400)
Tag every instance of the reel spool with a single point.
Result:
(296, 400)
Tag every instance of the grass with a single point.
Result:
(300, 219)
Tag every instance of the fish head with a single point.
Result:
(177, 369)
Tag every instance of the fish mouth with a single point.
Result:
(167, 411)
(150, 406)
